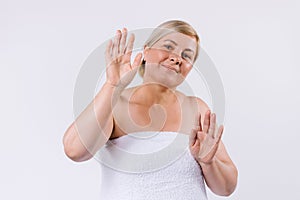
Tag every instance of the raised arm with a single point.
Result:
(94, 126)
(206, 146)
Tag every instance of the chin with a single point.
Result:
(163, 77)
(170, 82)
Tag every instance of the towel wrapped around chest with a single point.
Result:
(150, 166)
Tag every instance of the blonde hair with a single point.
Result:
(167, 28)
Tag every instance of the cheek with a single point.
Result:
(156, 55)
(186, 69)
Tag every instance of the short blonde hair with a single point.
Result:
(167, 28)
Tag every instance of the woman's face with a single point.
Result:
(170, 59)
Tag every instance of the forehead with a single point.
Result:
(182, 40)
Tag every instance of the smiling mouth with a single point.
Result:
(170, 68)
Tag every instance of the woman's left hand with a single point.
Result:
(204, 141)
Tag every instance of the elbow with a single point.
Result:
(232, 186)
(71, 154)
(229, 186)
(77, 153)
(228, 192)
(76, 156)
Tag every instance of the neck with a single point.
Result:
(154, 93)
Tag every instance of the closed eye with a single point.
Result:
(186, 56)
(168, 47)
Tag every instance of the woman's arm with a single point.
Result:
(206, 146)
(221, 174)
(94, 126)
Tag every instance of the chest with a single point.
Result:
(133, 117)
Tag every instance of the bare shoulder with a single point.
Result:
(202, 105)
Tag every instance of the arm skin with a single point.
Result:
(220, 173)
(93, 127)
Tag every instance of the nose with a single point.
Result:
(175, 59)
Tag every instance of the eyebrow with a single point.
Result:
(168, 40)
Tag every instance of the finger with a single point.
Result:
(220, 133)
(197, 122)
(129, 47)
(213, 151)
(115, 50)
(137, 61)
(108, 52)
(212, 125)
(200, 122)
(206, 121)
(215, 133)
(123, 41)
(193, 137)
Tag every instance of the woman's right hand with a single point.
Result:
(119, 70)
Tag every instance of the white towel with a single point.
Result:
(150, 166)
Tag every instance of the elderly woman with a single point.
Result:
(154, 107)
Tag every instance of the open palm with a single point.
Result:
(204, 141)
(119, 70)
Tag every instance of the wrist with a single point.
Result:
(118, 86)
(110, 84)
(207, 164)
(112, 90)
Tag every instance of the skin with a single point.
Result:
(168, 62)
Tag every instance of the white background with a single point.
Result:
(43, 44)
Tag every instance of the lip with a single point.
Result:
(171, 68)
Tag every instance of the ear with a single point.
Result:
(145, 51)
